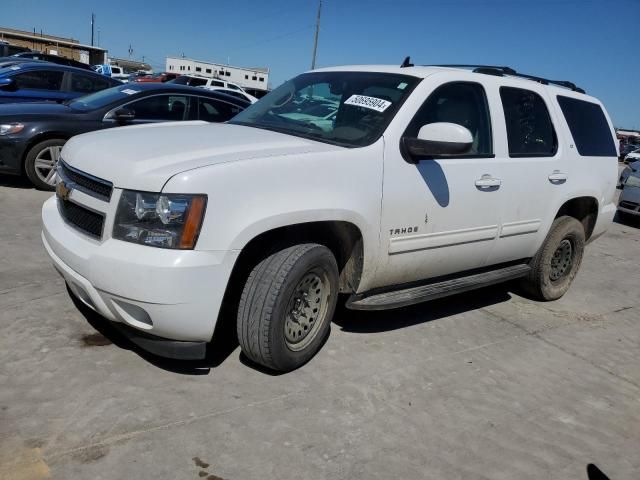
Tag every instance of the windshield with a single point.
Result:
(633, 180)
(103, 97)
(343, 108)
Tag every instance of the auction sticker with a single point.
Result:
(129, 91)
(373, 103)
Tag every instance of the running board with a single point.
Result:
(424, 293)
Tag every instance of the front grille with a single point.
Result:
(94, 186)
(629, 205)
(81, 218)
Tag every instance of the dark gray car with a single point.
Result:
(629, 203)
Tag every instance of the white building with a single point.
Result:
(248, 78)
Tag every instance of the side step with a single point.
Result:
(424, 293)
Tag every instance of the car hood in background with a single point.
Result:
(145, 157)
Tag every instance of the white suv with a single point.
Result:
(427, 181)
(205, 82)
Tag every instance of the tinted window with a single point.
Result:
(87, 84)
(211, 110)
(39, 80)
(530, 132)
(197, 82)
(160, 107)
(217, 84)
(589, 127)
(461, 103)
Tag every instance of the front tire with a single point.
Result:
(557, 262)
(41, 162)
(286, 306)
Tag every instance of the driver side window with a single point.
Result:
(462, 103)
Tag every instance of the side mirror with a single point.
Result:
(123, 115)
(8, 84)
(438, 140)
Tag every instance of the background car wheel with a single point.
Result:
(557, 262)
(286, 306)
(41, 161)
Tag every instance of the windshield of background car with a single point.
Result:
(351, 109)
(633, 180)
(103, 97)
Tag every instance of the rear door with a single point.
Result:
(534, 168)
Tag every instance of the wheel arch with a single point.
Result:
(41, 137)
(584, 209)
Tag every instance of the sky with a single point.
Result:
(594, 43)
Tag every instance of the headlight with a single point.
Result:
(159, 220)
(9, 128)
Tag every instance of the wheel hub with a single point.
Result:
(46, 162)
(304, 314)
(562, 260)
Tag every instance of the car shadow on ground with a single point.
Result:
(14, 181)
(225, 341)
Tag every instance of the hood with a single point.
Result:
(25, 110)
(145, 157)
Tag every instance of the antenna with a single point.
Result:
(315, 39)
(406, 63)
(93, 24)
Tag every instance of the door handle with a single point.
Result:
(488, 182)
(557, 177)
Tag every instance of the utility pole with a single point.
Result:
(93, 24)
(315, 39)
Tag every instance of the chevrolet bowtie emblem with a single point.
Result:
(63, 191)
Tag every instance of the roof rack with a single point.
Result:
(502, 71)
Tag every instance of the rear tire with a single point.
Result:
(286, 306)
(41, 162)
(557, 262)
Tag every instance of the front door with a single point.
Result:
(441, 216)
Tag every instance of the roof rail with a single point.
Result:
(501, 71)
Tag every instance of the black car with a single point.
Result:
(32, 134)
(37, 81)
(69, 62)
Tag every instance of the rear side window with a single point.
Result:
(589, 127)
(211, 110)
(530, 132)
(197, 82)
(39, 80)
(87, 84)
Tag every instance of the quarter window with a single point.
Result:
(211, 110)
(589, 127)
(530, 132)
(462, 103)
(39, 80)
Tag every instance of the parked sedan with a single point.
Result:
(32, 134)
(44, 81)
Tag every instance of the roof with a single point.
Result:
(421, 71)
(49, 65)
(176, 87)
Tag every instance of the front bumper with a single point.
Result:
(12, 149)
(173, 294)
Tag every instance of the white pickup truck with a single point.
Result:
(423, 182)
